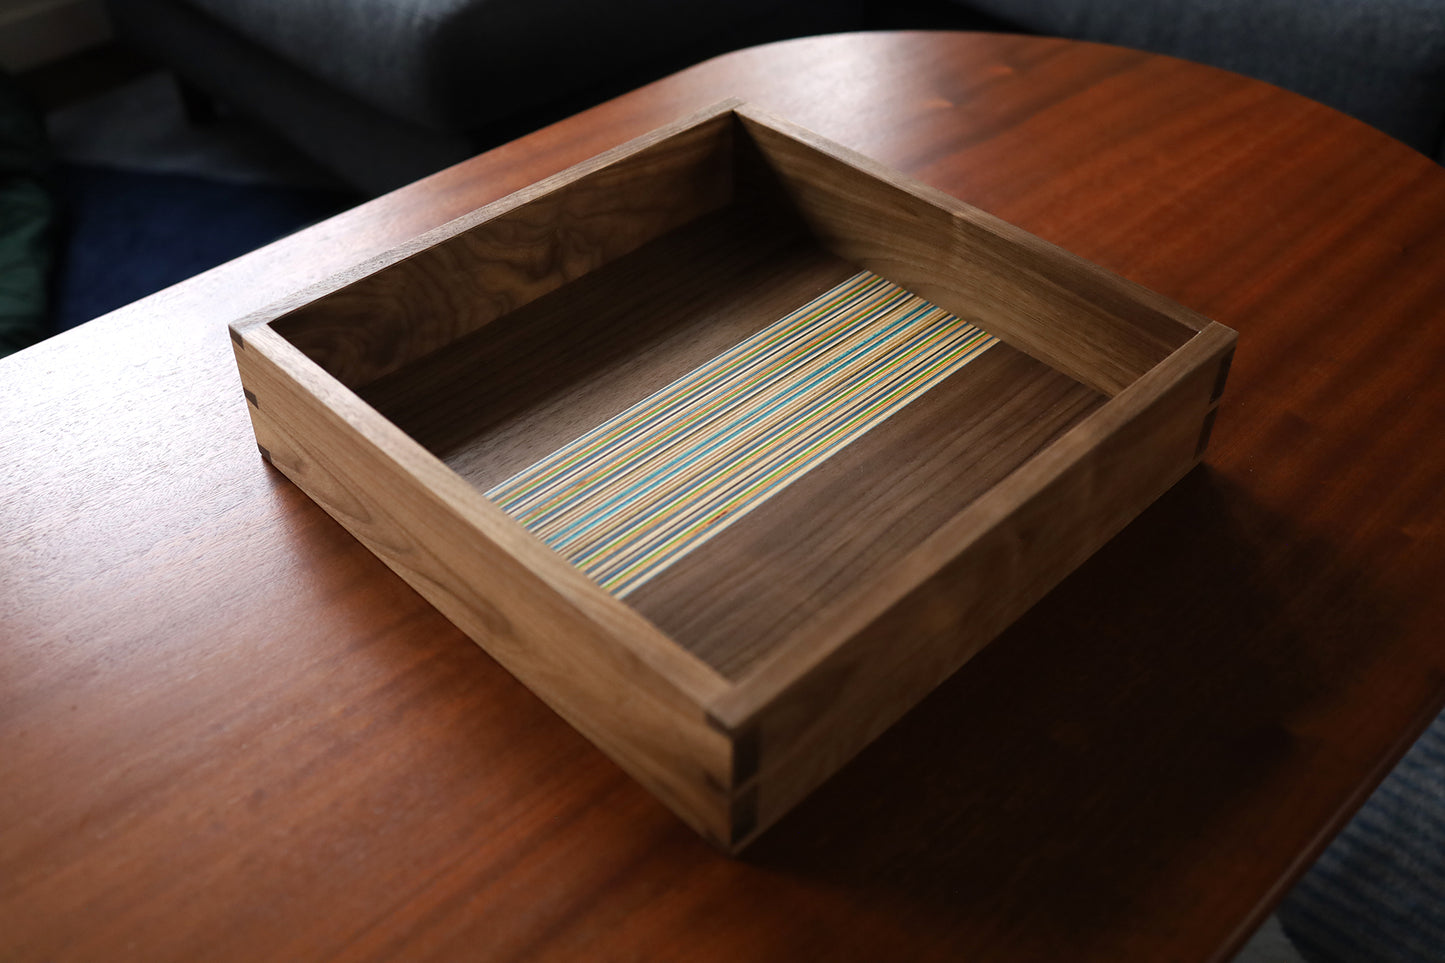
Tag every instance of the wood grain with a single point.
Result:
(227, 731)
(830, 534)
(806, 605)
(1096, 328)
(500, 399)
(427, 293)
(971, 577)
(519, 388)
(608, 673)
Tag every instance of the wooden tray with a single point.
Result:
(891, 512)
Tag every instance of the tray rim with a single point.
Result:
(794, 659)
(732, 708)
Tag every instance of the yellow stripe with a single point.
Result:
(642, 490)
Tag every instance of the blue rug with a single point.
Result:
(1377, 895)
(125, 235)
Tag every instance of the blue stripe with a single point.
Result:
(651, 484)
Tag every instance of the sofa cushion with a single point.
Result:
(1382, 61)
(373, 150)
(457, 64)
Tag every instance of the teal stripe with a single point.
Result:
(642, 490)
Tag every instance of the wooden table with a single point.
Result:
(227, 731)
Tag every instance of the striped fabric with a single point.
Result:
(642, 490)
(1377, 895)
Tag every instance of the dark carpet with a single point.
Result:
(124, 235)
(1378, 892)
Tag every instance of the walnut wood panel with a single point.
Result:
(532, 381)
(1093, 326)
(429, 292)
(227, 731)
(828, 535)
(939, 606)
(604, 670)
(495, 402)
(537, 387)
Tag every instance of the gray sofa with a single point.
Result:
(384, 91)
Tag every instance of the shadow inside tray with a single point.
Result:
(1145, 694)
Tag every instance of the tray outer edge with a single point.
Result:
(432, 254)
(1081, 319)
(739, 802)
(803, 716)
(604, 669)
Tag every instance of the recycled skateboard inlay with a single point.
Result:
(642, 490)
(728, 528)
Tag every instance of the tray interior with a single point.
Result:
(510, 397)
(506, 397)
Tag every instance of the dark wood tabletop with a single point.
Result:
(227, 731)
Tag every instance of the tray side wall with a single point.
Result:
(1094, 326)
(731, 758)
(515, 251)
(647, 717)
(969, 582)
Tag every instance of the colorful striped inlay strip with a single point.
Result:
(640, 491)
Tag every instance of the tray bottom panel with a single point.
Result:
(812, 545)
(506, 396)
(631, 497)
(535, 380)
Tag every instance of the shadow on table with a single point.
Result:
(1076, 773)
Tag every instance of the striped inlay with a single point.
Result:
(640, 491)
